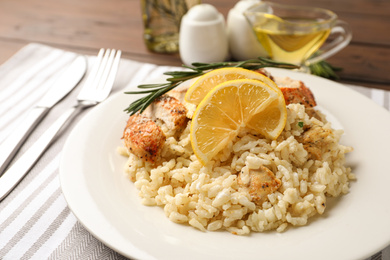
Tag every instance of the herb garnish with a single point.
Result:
(197, 69)
(325, 70)
(300, 124)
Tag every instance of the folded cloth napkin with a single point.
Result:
(35, 221)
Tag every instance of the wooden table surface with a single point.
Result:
(84, 26)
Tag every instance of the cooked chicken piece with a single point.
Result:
(259, 183)
(168, 109)
(314, 140)
(312, 112)
(179, 94)
(144, 138)
(265, 73)
(295, 91)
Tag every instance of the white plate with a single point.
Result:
(354, 226)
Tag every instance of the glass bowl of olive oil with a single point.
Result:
(294, 34)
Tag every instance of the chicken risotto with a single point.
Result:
(254, 183)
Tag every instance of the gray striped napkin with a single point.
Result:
(35, 221)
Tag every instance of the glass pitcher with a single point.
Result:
(293, 33)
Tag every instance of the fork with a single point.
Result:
(97, 88)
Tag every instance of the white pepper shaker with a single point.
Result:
(203, 35)
(243, 44)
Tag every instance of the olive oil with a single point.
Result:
(284, 44)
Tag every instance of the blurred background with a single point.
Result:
(85, 26)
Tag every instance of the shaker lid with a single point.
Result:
(203, 13)
(243, 5)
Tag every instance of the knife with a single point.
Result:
(60, 88)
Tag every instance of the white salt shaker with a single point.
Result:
(243, 44)
(203, 35)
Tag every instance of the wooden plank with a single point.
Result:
(371, 7)
(367, 28)
(85, 26)
(364, 63)
(9, 48)
(70, 23)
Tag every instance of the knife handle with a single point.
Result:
(20, 168)
(15, 140)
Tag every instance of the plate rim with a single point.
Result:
(141, 253)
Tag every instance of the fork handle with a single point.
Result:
(13, 142)
(20, 168)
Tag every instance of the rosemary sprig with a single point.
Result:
(325, 70)
(197, 69)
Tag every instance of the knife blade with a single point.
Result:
(60, 88)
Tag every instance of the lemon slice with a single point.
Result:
(208, 81)
(231, 106)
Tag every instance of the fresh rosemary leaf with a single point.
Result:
(195, 70)
(184, 78)
(181, 73)
(153, 85)
(144, 91)
(324, 69)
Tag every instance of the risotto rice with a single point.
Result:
(209, 197)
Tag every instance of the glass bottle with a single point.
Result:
(161, 20)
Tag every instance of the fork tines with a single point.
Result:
(102, 74)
